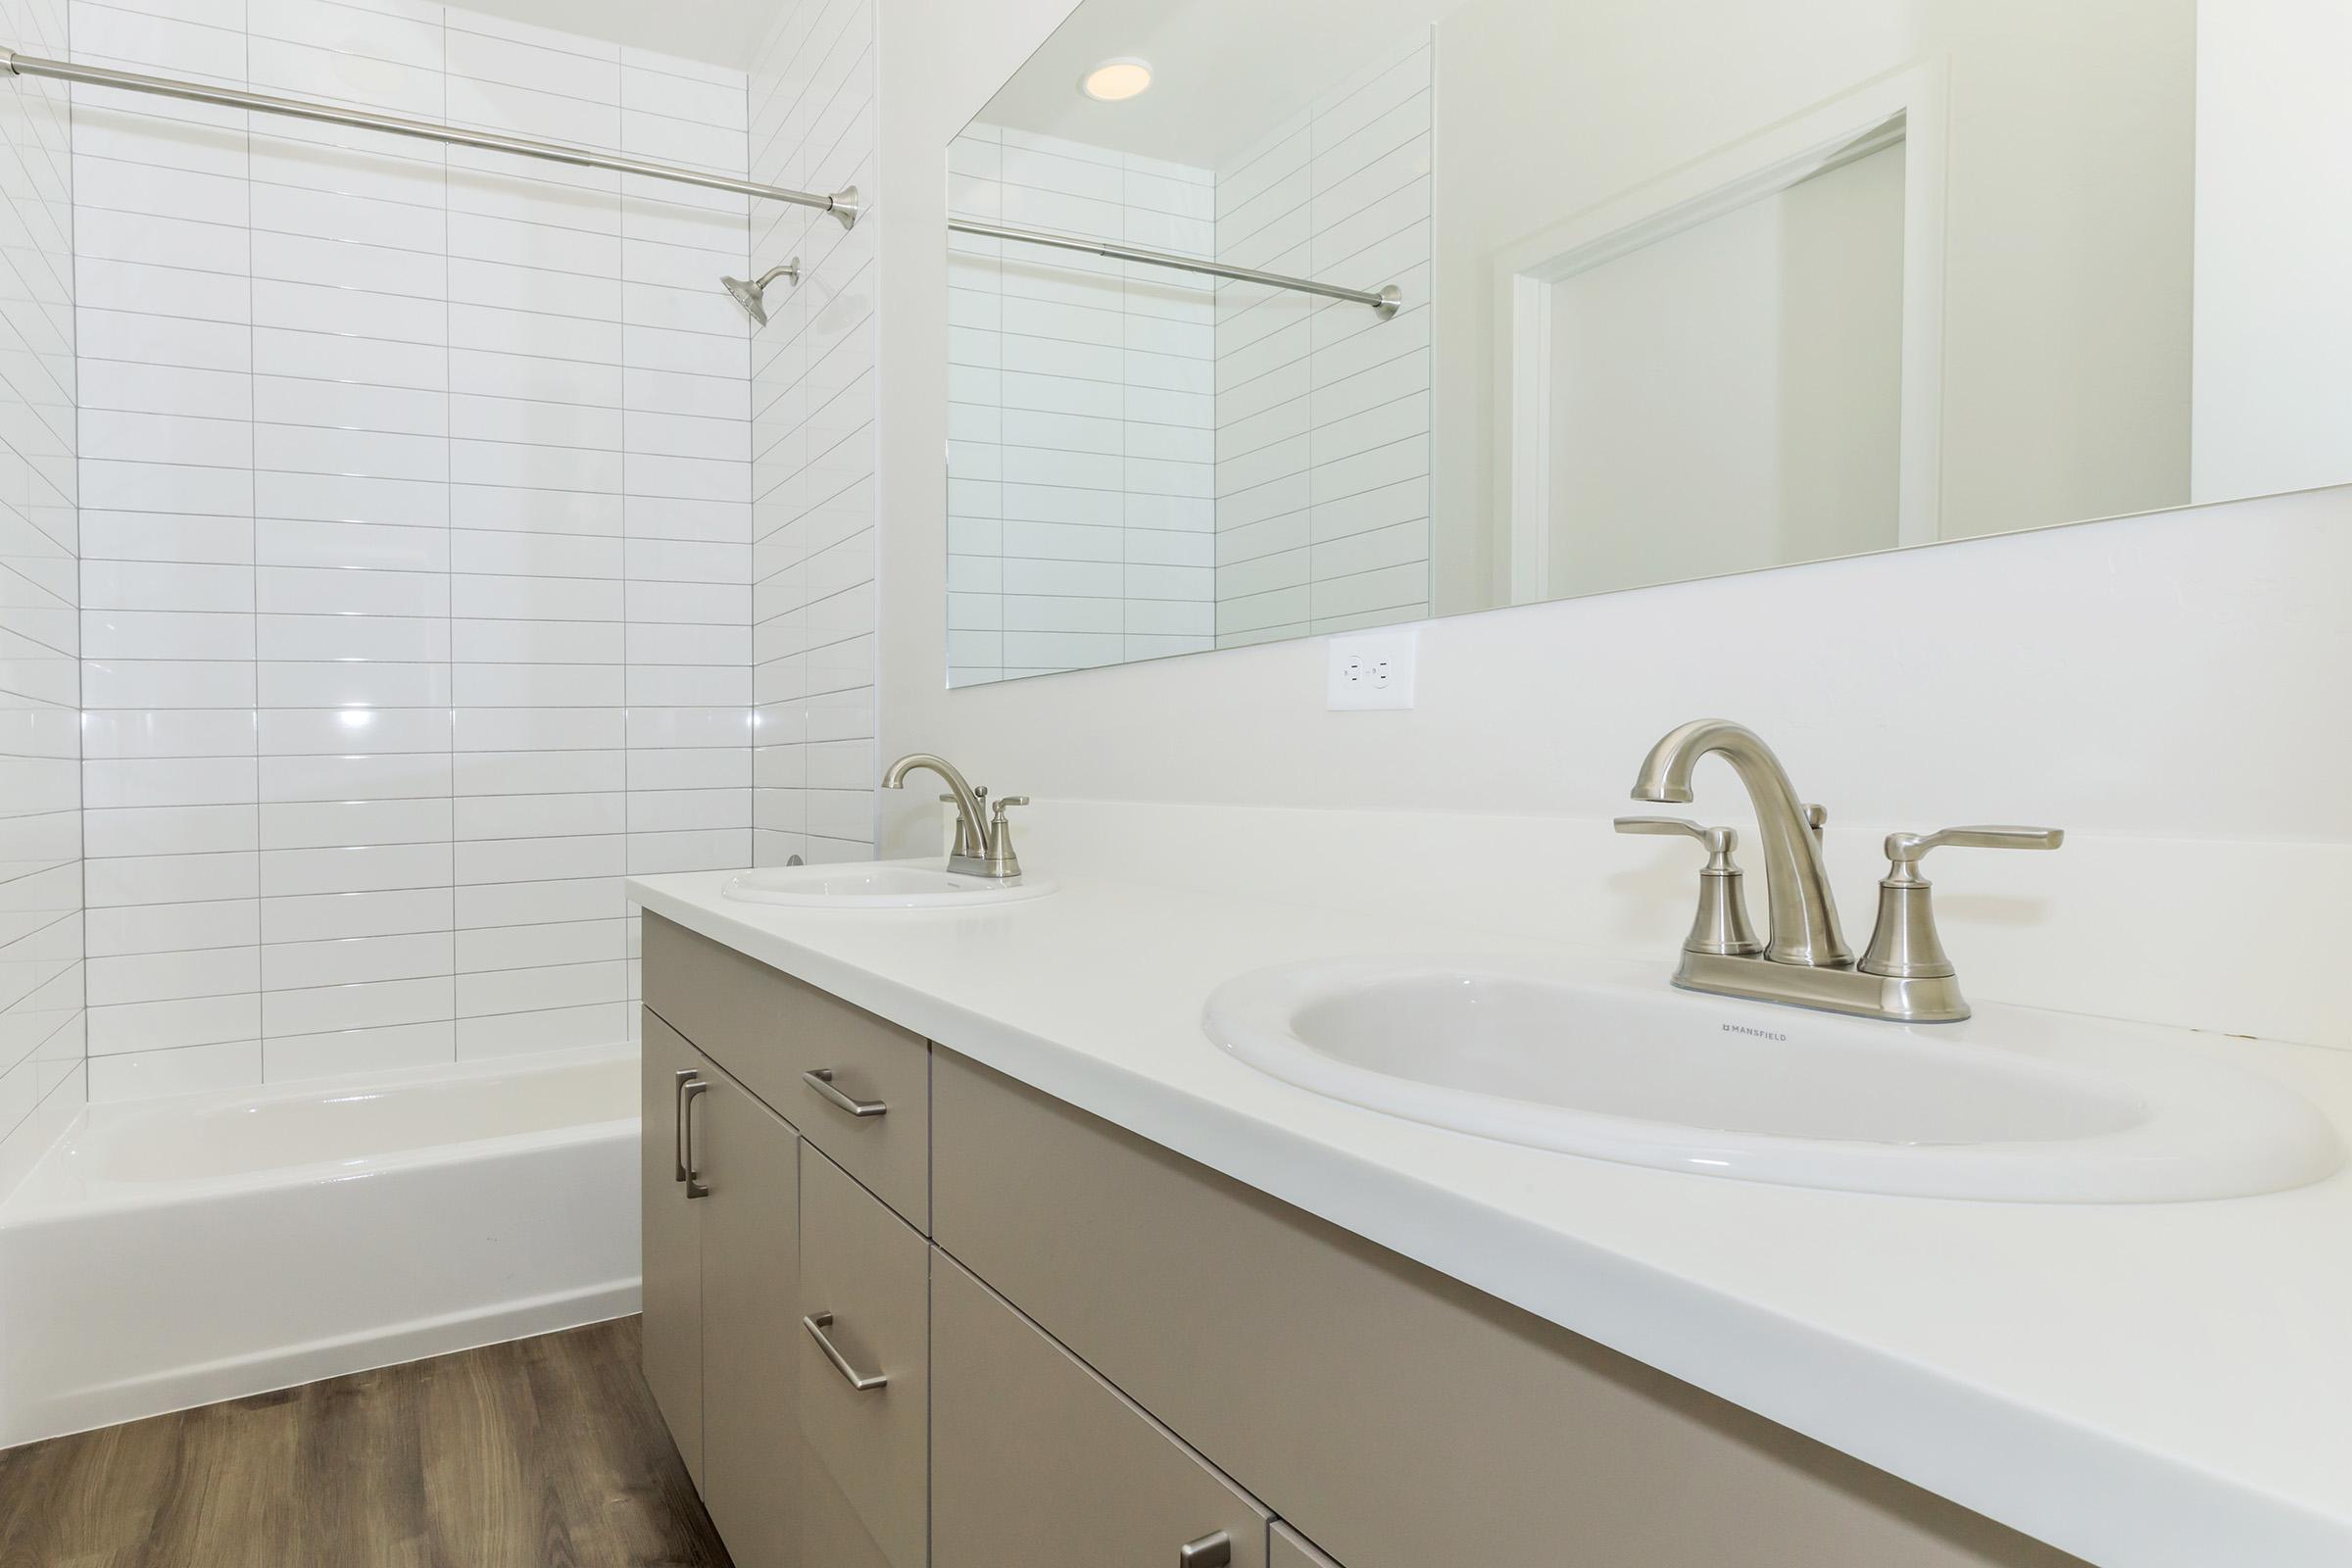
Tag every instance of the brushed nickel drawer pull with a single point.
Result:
(820, 1079)
(677, 1119)
(688, 1094)
(1213, 1550)
(862, 1382)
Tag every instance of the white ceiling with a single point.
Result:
(723, 32)
(1224, 72)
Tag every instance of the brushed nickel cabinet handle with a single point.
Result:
(820, 1079)
(677, 1119)
(1213, 1550)
(687, 1096)
(862, 1382)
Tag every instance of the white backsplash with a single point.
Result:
(2221, 936)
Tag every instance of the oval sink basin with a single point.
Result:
(880, 885)
(2012, 1105)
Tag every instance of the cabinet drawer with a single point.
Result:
(1288, 1548)
(1397, 1416)
(1038, 1460)
(772, 1032)
(864, 1299)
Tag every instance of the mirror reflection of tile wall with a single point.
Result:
(1144, 461)
(1081, 456)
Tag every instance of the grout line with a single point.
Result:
(448, 511)
(662, 252)
(253, 523)
(80, 750)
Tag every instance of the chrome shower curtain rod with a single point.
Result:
(842, 204)
(1384, 300)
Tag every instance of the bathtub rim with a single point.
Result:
(39, 1198)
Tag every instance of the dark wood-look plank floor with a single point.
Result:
(543, 1454)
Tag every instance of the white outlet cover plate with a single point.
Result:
(1371, 670)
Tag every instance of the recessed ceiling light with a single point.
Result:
(1115, 80)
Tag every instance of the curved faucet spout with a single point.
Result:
(974, 830)
(1804, 917)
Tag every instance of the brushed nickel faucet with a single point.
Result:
(983, 837)
(1796, 890)
(1904, 976)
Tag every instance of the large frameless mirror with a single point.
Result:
(1276, 318)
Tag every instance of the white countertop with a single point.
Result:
(2159, 1385)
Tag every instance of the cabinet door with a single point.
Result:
(750, 1221)
(1288, 1548)
(672, 1355)
(1035, 1459)
(864, 1367)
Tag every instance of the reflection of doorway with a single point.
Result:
(1735, 367)
(1730, 396)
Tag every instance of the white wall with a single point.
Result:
(419, 532)
(41, 1019)
(1323, 406)
(2273, 320)
(1080, 453)
(813, 426)
(2161, 678)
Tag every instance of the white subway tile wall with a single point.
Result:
(41, 1019)
(812, 440)
(1081, 452)
(418, 606)
(1323, 450)
(1143, 463)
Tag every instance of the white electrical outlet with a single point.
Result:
(1372, 669)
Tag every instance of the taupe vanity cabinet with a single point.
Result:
(722, 1266)
(989, 1329)
(787, 1295)
(672, 1353)
(1289, 1550)
(863, 1341)
(1038, 1460)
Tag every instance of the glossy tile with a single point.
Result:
(421, 514)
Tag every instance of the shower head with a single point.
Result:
(752, 296)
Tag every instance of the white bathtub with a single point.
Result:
(170, 1252)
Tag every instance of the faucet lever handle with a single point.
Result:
(1721, 925)
(1908, 849)
(964, 847)
(1718, 839)
(1002, 860)
(1905, 945)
